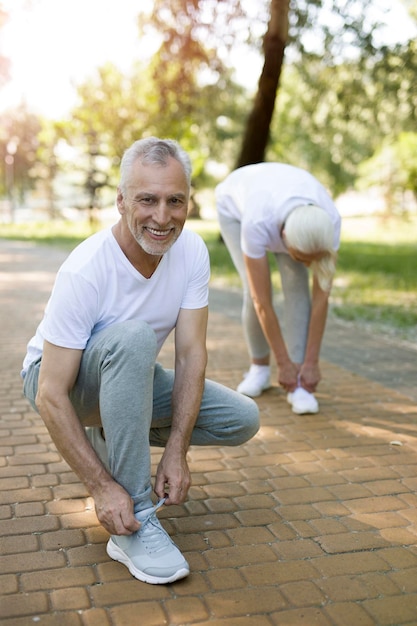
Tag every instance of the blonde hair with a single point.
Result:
(309, 230)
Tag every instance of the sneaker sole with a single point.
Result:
(117, 554)
(305, 412)
(254, 395)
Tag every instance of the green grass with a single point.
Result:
(375, 283)
(58, 233)
(376, 280)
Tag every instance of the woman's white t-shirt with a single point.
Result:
(97, 286)
(262, 195)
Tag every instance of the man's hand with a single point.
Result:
(173, 478)
(114, 509)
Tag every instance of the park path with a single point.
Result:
(312, 522)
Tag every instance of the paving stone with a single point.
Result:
(62, 578)
(23, 604)
(349, 613)
(301, 617)
(241, 602)
(179, 611)
(63, 600)
(393, 610)
(151, 614)
(351, 542)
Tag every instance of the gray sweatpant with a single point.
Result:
(296, 291)
(121, 388)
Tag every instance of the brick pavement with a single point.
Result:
(313, 522)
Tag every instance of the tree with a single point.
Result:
(305, 34)
(18, 144)
(393, 169)
(405, 152)
(331, 118)
(46, 165)
(115, 109)
(257, 129)
(198, 103)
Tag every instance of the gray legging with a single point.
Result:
(121, 388)
(295, 287)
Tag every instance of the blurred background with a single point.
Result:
(325, 85)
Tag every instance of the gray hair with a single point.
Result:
(310, 230)
(153, 151)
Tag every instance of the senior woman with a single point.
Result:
(281, 209)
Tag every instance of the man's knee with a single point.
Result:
(132, 337)
(250, 419)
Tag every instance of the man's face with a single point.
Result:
(155, 205)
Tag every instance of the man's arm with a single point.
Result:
(173, 476)
(259, 277)
(57, 376)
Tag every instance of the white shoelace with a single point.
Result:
(152, 533)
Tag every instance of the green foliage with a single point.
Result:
(331, 118)
(342, 99)
(59, 233)
(18, 144)
(393, 169)
(391, 265)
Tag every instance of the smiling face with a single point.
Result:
(154, 205)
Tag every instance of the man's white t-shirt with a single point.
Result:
(97, 286)
(262, 195)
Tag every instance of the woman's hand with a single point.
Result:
(288, 376)
(310, 377)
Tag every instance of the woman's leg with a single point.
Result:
(255, 339)
(297, 305)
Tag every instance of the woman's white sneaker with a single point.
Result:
(302, 401)
(255, 381)
(149, 554)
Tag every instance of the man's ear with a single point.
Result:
(120, 201)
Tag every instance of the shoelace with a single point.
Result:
(150, 531)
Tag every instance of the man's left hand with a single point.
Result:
(173, 478)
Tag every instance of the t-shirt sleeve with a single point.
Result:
(71, 311)
(196, 295)
(253, 238)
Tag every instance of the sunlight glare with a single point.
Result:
(54, 45)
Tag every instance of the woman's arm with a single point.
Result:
(310, 371)
(259, 277)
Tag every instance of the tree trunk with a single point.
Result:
(256, 135)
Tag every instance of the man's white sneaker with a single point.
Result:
(302, 401)
(149, 554)
(255, 381)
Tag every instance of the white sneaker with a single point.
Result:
(255, 381)
(302, 401)
(95, 436)
(149, 554)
